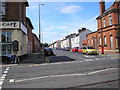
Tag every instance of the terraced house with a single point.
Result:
(107, 37)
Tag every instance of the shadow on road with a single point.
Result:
(53, 59)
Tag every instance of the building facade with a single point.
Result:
(13, 28)
(30, 35)
(107, 37)
(36, 44)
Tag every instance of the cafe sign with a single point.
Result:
(13, 25)
(9, 25)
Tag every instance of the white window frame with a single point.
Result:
(100, 41)
(104, 22)
(105, 40)
(110, 19)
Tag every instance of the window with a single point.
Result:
(119, 18)
(6, 36)
(111, 42)
(105, 40)
(2, 9)
(104, 22)
(110, 20)
(6, 49)
(100, 41)
(116, 43)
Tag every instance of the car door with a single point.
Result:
(84, 50)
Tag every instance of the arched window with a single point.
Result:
(105, 40)
(110, 20)
(100, 41)
(111, 41)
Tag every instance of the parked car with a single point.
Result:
(59, 48)
(48, 51)
(66, 49)
(80, 49)
(75, 49)
(89, 50)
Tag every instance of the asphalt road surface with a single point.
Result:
(63, 70)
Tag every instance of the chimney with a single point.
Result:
(102, 6)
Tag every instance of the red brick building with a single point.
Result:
(107, 37)
(29, 34)
(36, 44)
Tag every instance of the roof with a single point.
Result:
(109, 10)
(30, 23)
(26, 3)
(35, 36)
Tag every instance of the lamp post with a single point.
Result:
(40, 27)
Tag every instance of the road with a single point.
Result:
(63, 70)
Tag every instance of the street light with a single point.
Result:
(40, 26)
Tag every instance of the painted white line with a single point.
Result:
(7, 67)
(32, 79)
(101, 70)
(1, 82)
(49, 76)
(113, 58)
(89, 60)
(11, 80)
(68, 75)
(4, 75)
(5, 71)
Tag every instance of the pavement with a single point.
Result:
(35, 58)
(111, 54)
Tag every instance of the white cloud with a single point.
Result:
(70, 9)
(54, 28)
(90, 20)
(91, 24)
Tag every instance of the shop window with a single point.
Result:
(6, 49)
(110, 20)
(6, 36)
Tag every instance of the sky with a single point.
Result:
(59, 19)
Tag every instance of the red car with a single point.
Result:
(80, 50)
(75, 49)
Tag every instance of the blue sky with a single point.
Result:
(59, 19)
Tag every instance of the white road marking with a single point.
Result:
(32, 79)
(62, 75)
(68, 75)
(101, 70)
(3, 77)
(1, 82)
(11, 80)
(89, 60)
(5, 71)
